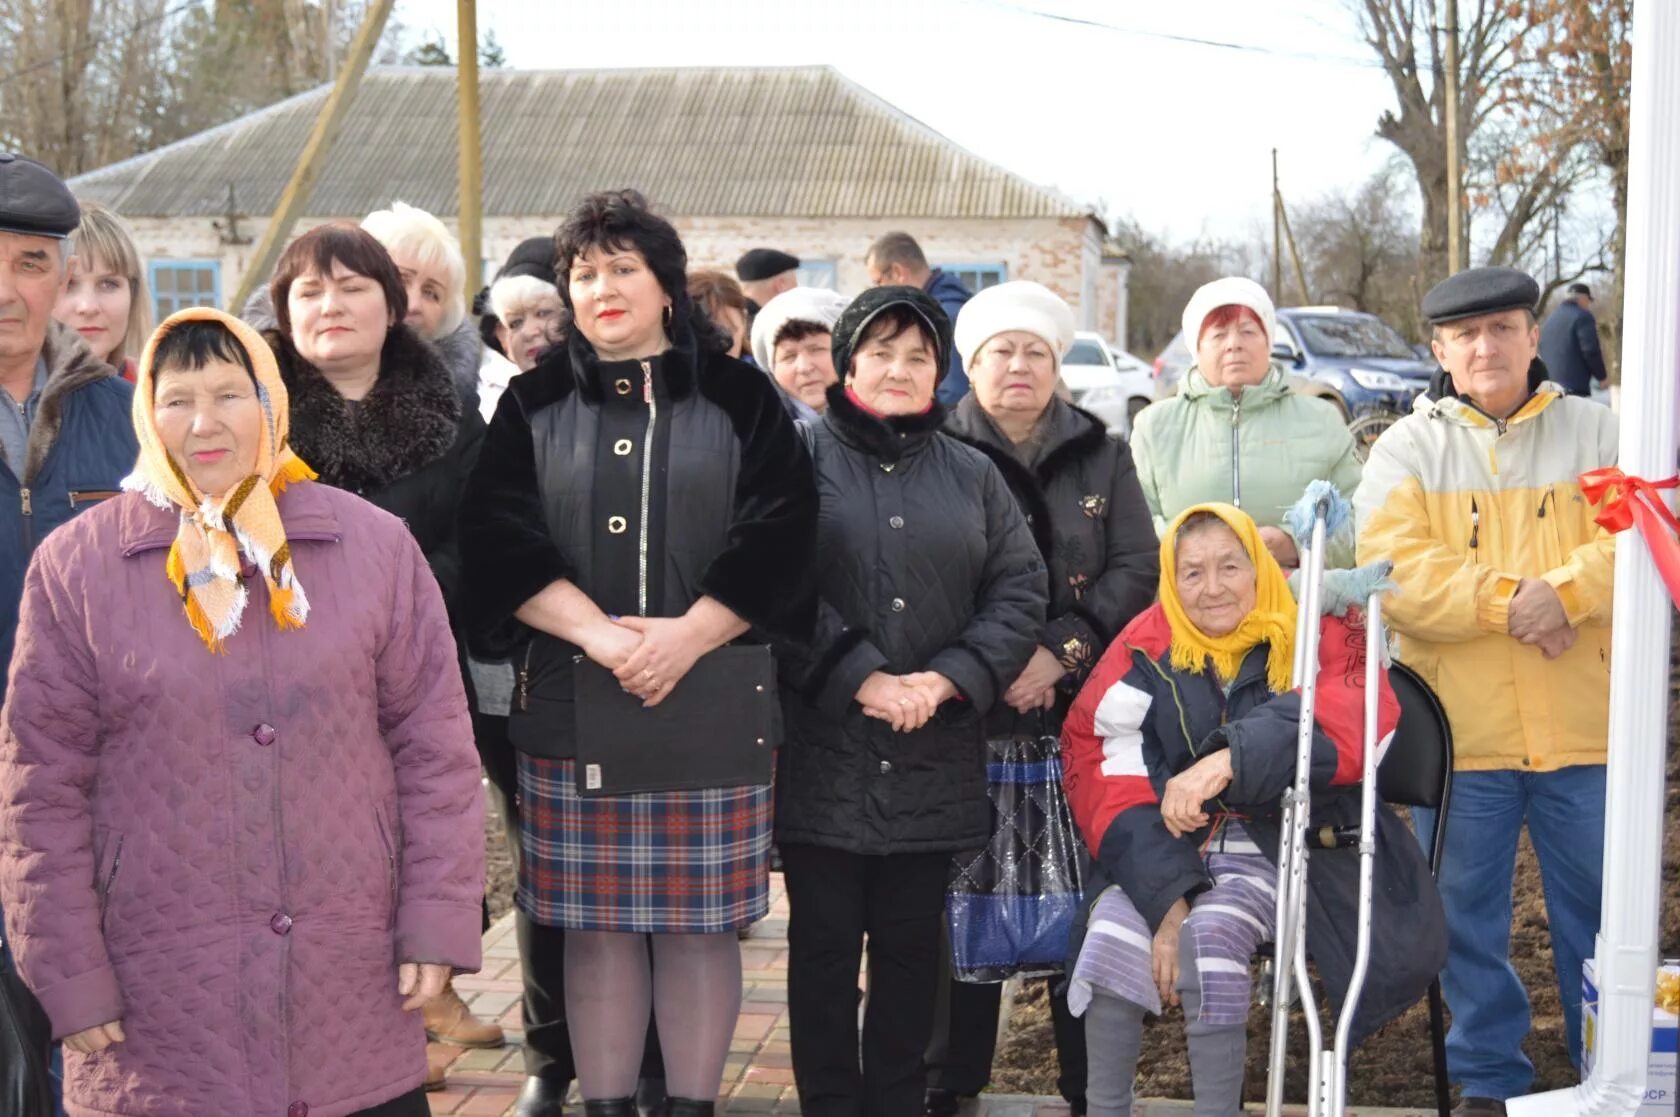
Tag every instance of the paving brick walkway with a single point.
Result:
(758, 1078)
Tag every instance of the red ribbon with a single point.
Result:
(1635, 502)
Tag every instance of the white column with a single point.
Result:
(1627, 940)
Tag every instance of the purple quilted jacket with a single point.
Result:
(231, 853)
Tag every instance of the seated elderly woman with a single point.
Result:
(1176, 754)
(240, 827)
(792, 340)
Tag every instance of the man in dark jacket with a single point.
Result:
(1569, 343)
(65, 433)
(896, 258)
(66, 439)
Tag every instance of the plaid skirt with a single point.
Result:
(670, 862)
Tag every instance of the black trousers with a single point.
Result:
(542, 950)
(959, 1059)
(411, 1104)
(835, 900)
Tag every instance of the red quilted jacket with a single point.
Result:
(231, 853)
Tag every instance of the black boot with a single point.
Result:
(541, 1097)
(610, 1107)
(688, 1107)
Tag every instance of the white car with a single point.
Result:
(1111, 384)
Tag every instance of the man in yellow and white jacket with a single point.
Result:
(1504, 607)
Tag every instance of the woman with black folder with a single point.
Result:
(932, 596)
(641, 501)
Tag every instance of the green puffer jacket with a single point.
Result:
(1257, 450)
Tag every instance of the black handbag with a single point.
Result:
(719, 727)
(25, 1050)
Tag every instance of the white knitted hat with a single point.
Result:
(799, 304)
(1020, 305)
(1233, 290)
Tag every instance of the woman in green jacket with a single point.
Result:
(1236, 432)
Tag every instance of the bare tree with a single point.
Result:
(1360, 250)
(1513, 180)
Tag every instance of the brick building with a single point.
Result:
(800, 159)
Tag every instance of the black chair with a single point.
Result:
(1417, 771)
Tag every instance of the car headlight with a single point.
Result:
(1379, 381)
(1098, 397)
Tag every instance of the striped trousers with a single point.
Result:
(1225, 926)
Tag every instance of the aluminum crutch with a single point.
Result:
(1333, 1075)
(1290, 947)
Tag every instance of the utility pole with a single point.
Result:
(471, 153)
(315, 152)
(329, 13)
(1277, 234)
(1455, 183)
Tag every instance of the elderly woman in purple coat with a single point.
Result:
(240, 824)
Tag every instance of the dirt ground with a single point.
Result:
(1394, 1067)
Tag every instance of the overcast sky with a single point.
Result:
(1125, 115)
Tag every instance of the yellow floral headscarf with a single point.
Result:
(204, 560)
(1272, 620)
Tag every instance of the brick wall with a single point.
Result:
(1061, 253)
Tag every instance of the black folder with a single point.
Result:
(717, 727)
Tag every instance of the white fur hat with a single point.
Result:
(1019, 305)
(1233, 290)
(816, 305)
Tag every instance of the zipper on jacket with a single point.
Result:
(1475, 523)
(525, 676)
(647, 487)
(390, 865)
(110, 883)
(28, 520)
(1236, 471)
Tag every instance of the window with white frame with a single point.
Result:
(819, 273)
(976, 277)
(178, 284)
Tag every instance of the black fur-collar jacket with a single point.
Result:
(407, 447)
(1088, 515)
(647, 485)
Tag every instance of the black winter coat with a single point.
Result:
(924, 563)
(1087, 512)
(648, 485)
(407, 447)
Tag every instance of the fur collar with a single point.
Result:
(887, 439)
(1070, 434)
(70, 365)
(408, 421)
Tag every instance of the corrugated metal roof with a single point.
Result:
(802, 142)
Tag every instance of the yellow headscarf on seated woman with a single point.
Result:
(204, 562)
(1271, 621)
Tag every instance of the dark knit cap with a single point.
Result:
(532, 256)
(875, 301)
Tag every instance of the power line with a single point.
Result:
(1538, 69)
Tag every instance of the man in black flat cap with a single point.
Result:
(1504, 606)
(1569, 343)
(765, 273)
(66, 439)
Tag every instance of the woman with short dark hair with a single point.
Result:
(642, 499)
(375, 410)
(932, 592)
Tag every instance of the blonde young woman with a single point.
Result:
(105, 299)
